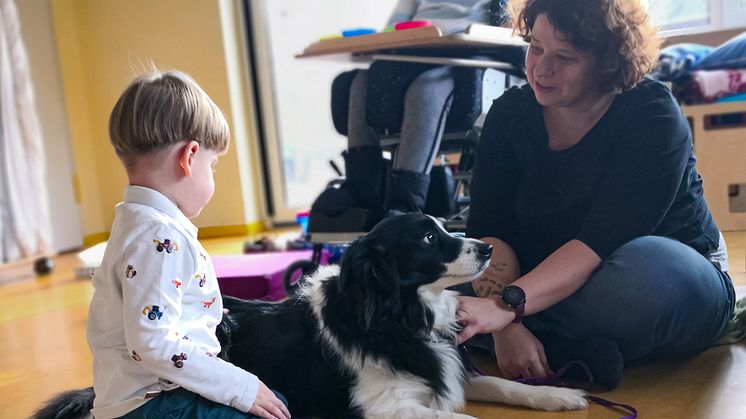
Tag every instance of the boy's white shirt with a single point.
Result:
(135, 355)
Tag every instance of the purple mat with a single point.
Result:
(257, 275)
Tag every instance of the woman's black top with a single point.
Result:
(631, 175)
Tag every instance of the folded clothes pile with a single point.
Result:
(703, 74)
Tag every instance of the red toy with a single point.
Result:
(412, 24)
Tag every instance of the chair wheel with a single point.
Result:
(43, 266)
(306, 267)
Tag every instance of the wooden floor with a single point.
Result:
(43, 350)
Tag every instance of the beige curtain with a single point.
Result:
(25, 227)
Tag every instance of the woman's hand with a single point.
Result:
(268, 406)
(481, 315)
(519, 353)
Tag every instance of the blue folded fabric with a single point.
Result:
(679, 60)
(731, 54)
(735, 98)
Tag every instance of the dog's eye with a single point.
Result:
(429, 238)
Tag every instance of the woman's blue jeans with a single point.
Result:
(655, 297)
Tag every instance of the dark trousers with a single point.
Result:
(655, 297)
(183, 404)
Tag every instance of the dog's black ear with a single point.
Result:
(369, 276)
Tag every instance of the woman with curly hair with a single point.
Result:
(585, 183)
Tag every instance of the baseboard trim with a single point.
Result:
(95, 238)
(232, 230)
(204, 232)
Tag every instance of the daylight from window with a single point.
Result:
(679, 14)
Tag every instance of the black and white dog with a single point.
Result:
(376, 336)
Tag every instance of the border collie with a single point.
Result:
(376, 336)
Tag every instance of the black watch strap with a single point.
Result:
(515, 298)
(519, 313)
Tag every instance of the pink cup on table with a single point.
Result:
(412, 24)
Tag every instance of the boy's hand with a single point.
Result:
(268, 406)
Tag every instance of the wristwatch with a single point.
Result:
(514, 297)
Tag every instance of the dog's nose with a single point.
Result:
(484, 251)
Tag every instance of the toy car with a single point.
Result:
(178, 360)
(202, 279)
(166, 245)
(153, 312)
(208, 303)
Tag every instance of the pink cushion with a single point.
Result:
(257, 275)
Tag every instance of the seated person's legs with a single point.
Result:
(427, 102)
(182, 403)
(655, 297)
(426, 106)
(364, 165)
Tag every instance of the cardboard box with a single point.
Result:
(719, 133)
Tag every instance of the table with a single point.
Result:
(426, 45)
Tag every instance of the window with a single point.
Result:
(295, 93)
(673, 15)
(679, 17)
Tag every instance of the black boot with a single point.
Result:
(406, 192)
(357, 204)
(601, 355)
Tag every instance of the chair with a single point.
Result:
(448, 196)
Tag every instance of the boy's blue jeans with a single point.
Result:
(655, 297)
(183, 404)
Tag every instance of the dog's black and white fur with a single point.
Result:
(375, 337)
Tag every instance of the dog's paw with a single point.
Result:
(560, 398)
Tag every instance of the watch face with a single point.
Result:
(513, 296)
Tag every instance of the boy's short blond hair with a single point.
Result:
(159, 109)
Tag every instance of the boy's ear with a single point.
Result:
(186, 157)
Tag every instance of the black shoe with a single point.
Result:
(406, 191)
(362, 187)
(601, 355)
(350, 220)
(334, 201)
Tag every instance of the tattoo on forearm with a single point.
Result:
(499, 266)
(494, 281)
(488, 286)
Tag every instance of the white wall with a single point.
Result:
(38, 36)
(733, 13)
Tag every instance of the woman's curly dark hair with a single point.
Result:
(617, 32)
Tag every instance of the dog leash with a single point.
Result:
(556, 380)
(612, 405)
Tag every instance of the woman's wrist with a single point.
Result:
(505, 315)
(505, 331)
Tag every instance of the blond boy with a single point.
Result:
(150, 328)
